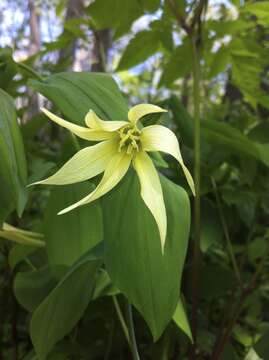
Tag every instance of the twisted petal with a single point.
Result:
(114, 172)
(94, 122)
(160, 138)
(80, 131)
(19, 236)
(138, 111)
(84, 165)
(8, 227)
(151, 191)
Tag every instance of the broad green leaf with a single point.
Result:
(8, 67)
(180, 318)
(165, 33)
(228, 27)
(31, 287)
(133, 256)
(252, 355)
(70, 235)
(211, 231)
(260, 133)
(178, 65)
(64, 306)
(220, 61)
(116, 14)
(103, 286)
(221, 134)
(218, 135)
(150, 5)
(19, 253)
(261, 347)
(260, 9)
(13, 164)
(75, 93)
(144, 44)
(183, 120)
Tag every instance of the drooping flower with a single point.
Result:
(20, 236)
(122, 143)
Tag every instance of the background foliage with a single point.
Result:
(68, 300)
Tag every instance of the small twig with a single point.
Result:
(198, 12)
(180, 17)
(245, 292)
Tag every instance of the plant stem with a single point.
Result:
(121, 319)
(30, 71)
(130, 323)
(197, 213)
(245, 292)
(226, 234)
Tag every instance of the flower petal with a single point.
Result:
(8, 227)
(24, 237)
(84, 165)
(160, 138)
(151, 191)
(115, 171)
(138, 111)
(80, 131)
(94, 122)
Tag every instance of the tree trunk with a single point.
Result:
(102, 43)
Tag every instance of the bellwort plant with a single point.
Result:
(122, 144)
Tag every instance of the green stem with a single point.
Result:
(130, 323)
(121, 319)
(226, 234)
(30, 71)
(197, 212)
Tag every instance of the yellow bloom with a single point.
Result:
(122, 143)
(20, 236)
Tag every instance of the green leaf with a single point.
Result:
(19, 253)
(260, 10)
(261, 347)
(116, 14)
(150, 5)
(140, 48)
(180, 318)
(13, 172)
(223, 135)
(217, 134)
(178, 65)
(183, 120)
(8, 67)
(260, 133)
(70, 235)
(133, 256)
(220, 61)
(31, 287)
(64, 306)
(211, 231)
(75, 93)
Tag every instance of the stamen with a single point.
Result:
(129, 139)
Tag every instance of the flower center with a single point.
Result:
(129, 139)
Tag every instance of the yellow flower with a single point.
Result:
(20, 236)
(122, 143)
